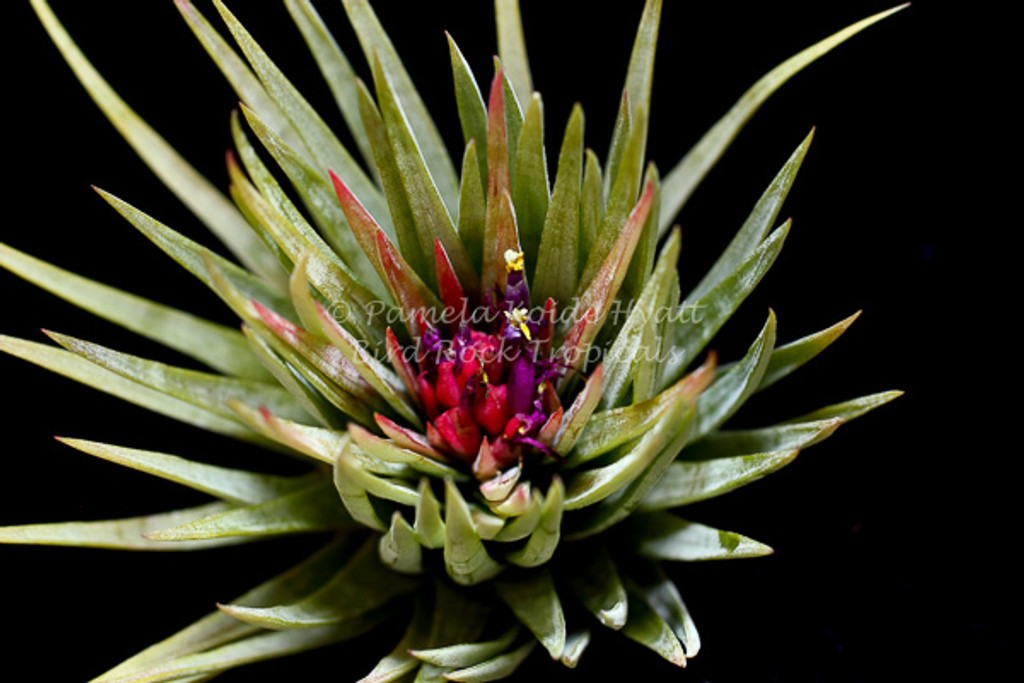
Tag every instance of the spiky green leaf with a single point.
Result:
(219, 347)
(543, 540)
(633, 345)
(662, 536)
(494, 669)
(377, 47)
(646, 627)
(530, 193)
(687, 174)
(82, 370)
(120, 534)
(532, 598)
(197, 193)
(595, 581)
(334, 67)
(697, 322)
(558, 253)
(732, 388)
(232, 485)
(310, 509)
(465, 556)
(757, 224)
(786, 359)
(362, 586)
(687, 482)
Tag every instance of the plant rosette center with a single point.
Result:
(488, 393)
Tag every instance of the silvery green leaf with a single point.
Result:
(334, 67)
(544, 539)
(595, 581)
(430, 213)
(662, 595)
(591, 206)
(662, 536)
(323, 146)
(428, 523)
(472, 113)
(472, 208)
(203, 390)
(377, 46)
(310, 509)
(494, 669)
(219, 347)
(512, 47)
(190, 255)
(732, 388)
(637, 91)
(376, 374)
(848, 410)
(786, 359)
(518, 528)
(658, 452)
(611, 428)
(465, 556)
(405, 231)
(218, 628)
(532, 598)
(377, 476)
(251, 649)
(687, 335)
(291, 380)
(646, 627)
(530, 194)
(119, 534)
(340, 282)
(558, 253)
(82, 370)
(576, 643)
(385, 449)
(688, 481)
(757, 225)
(400, 663)
(621, 200)
(353, 491)
(688, 173)
(361, 587)
(467, 654)
(318, 443)
(741, 442)
(400, 547)
(243, 81)
(576, 418)
(587, 487)
(459, 616)
(231, 485)
(632, 343)
(640, 266)
(197, 193)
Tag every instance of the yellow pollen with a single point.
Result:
(519, 316)
(483, 374)
(513, 260)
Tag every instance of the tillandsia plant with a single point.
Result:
(502, 396)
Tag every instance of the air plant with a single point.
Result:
(485, 443)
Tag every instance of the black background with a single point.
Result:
(890, 538)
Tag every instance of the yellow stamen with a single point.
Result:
(519, 317)
(513, 260)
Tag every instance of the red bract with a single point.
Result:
(486, 392)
